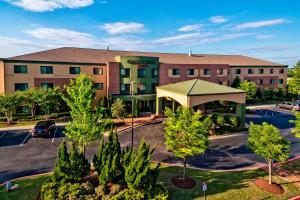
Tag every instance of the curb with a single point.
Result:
(26, 177)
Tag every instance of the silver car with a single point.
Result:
(290, 105)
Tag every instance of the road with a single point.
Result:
(22, 155)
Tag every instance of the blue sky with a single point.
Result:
(267, 29)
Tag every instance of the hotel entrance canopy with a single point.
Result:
(196, 92)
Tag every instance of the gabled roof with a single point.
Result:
(84, 55)
(197, 87)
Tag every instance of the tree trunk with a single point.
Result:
(32, 111)
(270, 171)
(184, 168)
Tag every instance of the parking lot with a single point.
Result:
(23, 155)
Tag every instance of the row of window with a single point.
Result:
(271, 81)
(125, 88)
(260, 71)
(23, 69)
(125, 72)
(24, 86)
(191, 72)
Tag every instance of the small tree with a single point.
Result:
(265, 141)
(250, 88)
(296, 130)
(9, 104)
(32, 98)
(268, 93)
(185, 134)
(62, 167)
(85, 126)
(294, 82)
(118, 109)
(279, 93)
(236, 82)
(79, 165)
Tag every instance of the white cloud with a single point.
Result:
(258, 24)
(123, 27)
(218, 19)
(264, 36)
(50, 5)
(190, 27)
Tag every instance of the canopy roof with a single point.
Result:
(197, 87)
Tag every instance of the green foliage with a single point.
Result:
(250, 88)
(236, 82)
(118, 109)
(128, 194)
(62, 167)
(107, 161)
(9, 103)
(294, 82)
(296, 130)
(79, 165)
(279, 93)
(185, 134)
(49, 190)
(268, 94)
(101, 190)
(85, 126)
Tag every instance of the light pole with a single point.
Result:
(132, 110)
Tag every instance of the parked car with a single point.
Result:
(43, 128)
(290, 105)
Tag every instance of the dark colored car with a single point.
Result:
(43, 128)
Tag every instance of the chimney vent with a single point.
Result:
(190, 52)
(107, 48)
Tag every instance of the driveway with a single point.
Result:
(22, 155)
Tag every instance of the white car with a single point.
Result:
(290, 105)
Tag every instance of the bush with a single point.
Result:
(49, 190)
(88, 188)
(220, 121)
(128, 194)
(70, 191)
(159, 193)
(108, 123)
(115, 189)
(101, 190)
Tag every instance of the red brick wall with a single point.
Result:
(266, 83)
(113, 78)
(56, 81)
(165, 79)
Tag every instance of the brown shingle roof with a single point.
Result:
(84, 55)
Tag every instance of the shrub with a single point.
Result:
(70, 191)
(101, 190)
(115, 189)
(49, 190)
(220, 120)
(128, 194)
(62, 167)
(234, 121)
(88, 188)
(79, 165)
(159, 193)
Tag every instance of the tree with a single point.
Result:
(62, 167)
(250, 88)
(236, 82)
(32, 98)
(118, 109)
(51, 98)
(9, 104)
(268, 93)
(294, 82)
(265, 141)
(296, 130)
(185, 134)
(107, 161)
(279, 93)
(85, 126)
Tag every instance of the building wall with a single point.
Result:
(2, 77)
(266, 76)
(61, 75)
(166, 77)
(113, 78)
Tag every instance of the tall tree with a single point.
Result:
(118, 109)
(9, 103)
(85, 126)
(236, 82)
(32, 98)
(265, 141)
(62, 167)
(186, 135)
(294, 82)
(250, 88)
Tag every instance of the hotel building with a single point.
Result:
(114, 71)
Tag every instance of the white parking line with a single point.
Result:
(25, 139)
(54, 134)
(3, 135)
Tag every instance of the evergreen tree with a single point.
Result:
(62, 167)
(79, 165)
(107, 161)
(139, 175)
(236, 82)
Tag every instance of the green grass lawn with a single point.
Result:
(221, 185)
(25, 123)
(293, 167)
(28, 189)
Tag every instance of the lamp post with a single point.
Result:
(132, 110)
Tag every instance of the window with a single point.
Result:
(280, 81)
(190, 72)
(20, 69)
(47, 85)
(141, 72)
(125, 88)
(153, 87)
(281, 71)
(272, 81)
(250, 71)
(125, 73)
(271, 71)
(46, 69)
(21, 86)
(206, 72)
(98, 86)
(176, 72)
(237, 71)
(141, 88)
(261, 71)
(220, 71)
(154, 73)
(220, 83)
(74, 70)
(260, 81)
(97, 71)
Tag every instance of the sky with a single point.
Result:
(266, 29)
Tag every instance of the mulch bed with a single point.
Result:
(187, 183)
(274, 188)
